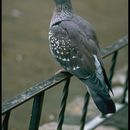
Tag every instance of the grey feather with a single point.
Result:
(74, 44)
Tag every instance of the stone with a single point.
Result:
(106, 128)
(53, 126)
(75, 106)
(120, 76)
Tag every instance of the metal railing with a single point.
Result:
(37, 92)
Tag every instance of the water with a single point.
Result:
(26, 59)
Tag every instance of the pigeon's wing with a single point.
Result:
(69, 49)
(77, 55)
(90, 34)
(73, 49)
(88, 31)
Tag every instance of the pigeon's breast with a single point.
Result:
(59, 46)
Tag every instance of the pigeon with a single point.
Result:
(74, 44)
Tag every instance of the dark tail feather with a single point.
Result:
(102, 100)
(104, 105)
(107, 81)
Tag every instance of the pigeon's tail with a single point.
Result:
(101, 97)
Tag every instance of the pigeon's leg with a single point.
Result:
(61, 71)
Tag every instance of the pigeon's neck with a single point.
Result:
(62, 11)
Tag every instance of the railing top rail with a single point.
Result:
(56, 79)
(115, 46)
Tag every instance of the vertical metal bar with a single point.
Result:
(63, 104)
(36, 111)
(5, 121)
(125, 89)
(112, 68)
(84, 112)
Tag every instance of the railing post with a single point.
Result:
(36, 111)
(112, 68)
(63, 104)
(5, 121)
(85, 109)
(125, 89)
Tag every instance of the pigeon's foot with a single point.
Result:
(61, 71)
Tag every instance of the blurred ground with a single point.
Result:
(26, 59)
(53, 126)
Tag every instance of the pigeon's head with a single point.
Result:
(61, 1)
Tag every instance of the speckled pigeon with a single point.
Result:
(74, 45)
